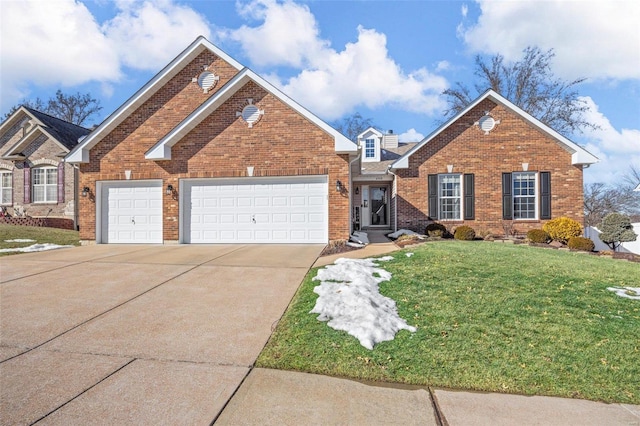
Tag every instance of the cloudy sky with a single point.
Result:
(388, 60)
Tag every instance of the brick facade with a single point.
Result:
(282, 143)
(511, 143)
(42, 152)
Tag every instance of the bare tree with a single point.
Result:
(601, 200)
(353, 125)
(76, 109)
(531, 85)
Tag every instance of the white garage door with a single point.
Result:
(131, 212)
(255, 210)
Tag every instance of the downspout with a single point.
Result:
(395, 194)
(351, 192)
(76, 200)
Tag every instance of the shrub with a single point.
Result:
(464, 233)
(538, 236)
(562, 228)
(615, 229)
(580, 243)
(436, 230)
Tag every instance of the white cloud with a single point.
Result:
(147, 35)
(333, 83)
(595, 39)
(464, 10)
(288, 35)
(51, 43)
(410, 135)
(59, 43)
(616, 149)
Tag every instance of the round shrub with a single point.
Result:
(580, 243)
(435, 230)
(562, 228)
(538, 236)
(464, 233)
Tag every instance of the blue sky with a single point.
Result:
(387, 60)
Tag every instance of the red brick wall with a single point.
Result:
(48, 222)
(511, 143)
(282, 143)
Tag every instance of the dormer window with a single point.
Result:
(370, 148)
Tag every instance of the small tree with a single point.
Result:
(616, 229)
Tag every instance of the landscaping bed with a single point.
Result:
(489, 317)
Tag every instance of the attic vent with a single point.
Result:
(487, 123)
(207, 80)
(250, 113)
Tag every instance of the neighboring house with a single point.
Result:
(34, 179)
(492, 166)
(209, 152)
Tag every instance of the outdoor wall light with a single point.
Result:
(357, 190)
(339, 187)
(169, 189)
(85, 191)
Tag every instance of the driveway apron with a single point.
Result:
(137, 334)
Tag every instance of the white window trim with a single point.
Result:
(10, 188)
(45, 185)
(376, 149)
(461, 196)
(536, 196)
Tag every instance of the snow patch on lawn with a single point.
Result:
(409, 254)
(400, 232)
(628, 292)
(20, 240)
(34, 247)
(349, 300)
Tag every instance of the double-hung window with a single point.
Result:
(524, 195)
(370, 148)
(45, 185)
(449, 197)
(6, 188)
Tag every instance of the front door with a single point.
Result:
(375, 205)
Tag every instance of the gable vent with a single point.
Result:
(207, 80)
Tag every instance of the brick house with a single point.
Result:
(34, 179)
(209, 152)
(492, 167)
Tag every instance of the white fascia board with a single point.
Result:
(78, 155)
(342, 144)
(9, 122)
(162, 149)
(578, 154)
(370, 130)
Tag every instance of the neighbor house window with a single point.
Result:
(6, 187)
(449, 197)
(370, 148)
(524, 195)
(45, 185)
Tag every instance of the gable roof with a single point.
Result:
(579, 155)
(63, 133)
(162, 149)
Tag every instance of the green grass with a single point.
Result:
(39, 234)
(490, 317)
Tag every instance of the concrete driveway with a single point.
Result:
(109, 334)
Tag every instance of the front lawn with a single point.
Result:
(490, 317)
(38, 235)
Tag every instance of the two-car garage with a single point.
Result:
(265, 210)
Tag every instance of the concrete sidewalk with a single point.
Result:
(274, 397)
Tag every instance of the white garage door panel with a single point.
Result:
(131, 212)
(255, 210)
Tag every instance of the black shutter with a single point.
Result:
(469, 197)
(432, 190)
(545, 195)
(61, 182)
(507, 197)
(27, 183)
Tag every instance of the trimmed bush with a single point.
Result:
(464, 233)
(580, 243)
(616, 229)
(538, 236)
(562, 228)
(435, 230)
